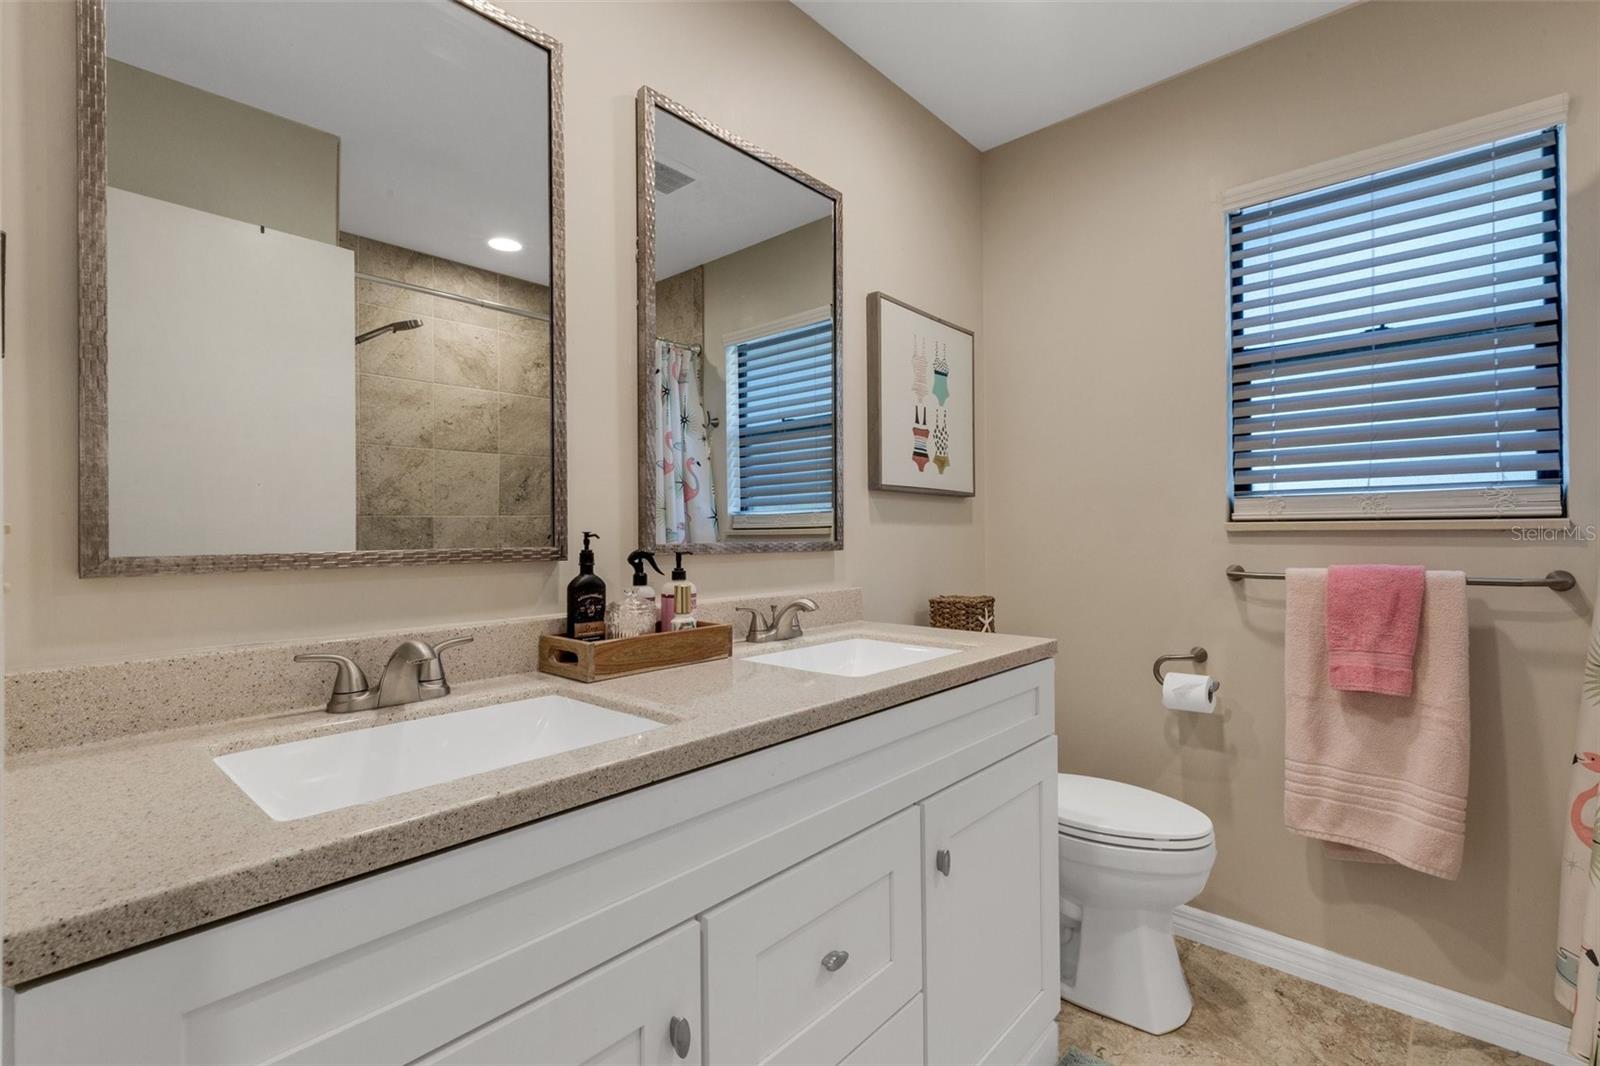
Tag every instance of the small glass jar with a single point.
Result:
(631, 616)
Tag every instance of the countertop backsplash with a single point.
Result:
(88, 703)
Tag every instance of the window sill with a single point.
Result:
(1396, 525)
(808, 524)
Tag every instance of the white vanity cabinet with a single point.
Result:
(792, 905)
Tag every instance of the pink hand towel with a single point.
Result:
(1373, 612)
(1379, 778)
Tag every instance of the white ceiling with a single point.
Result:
(735, 200)
(994, 70)
(442, 116)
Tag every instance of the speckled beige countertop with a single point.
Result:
(112, 845)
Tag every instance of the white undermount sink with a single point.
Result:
(306, 777)
(854, 657)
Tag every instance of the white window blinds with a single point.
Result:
(783, 413)
(1396, 341)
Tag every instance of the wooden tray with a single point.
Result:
(600, 660)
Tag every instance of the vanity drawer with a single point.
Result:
(643, 1007)
(898, 1042)
(805, 966)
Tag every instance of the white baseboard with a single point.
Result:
(1477, 1018)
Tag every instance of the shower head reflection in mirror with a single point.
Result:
(392, 327)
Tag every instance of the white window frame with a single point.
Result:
(1414, 506)
(744, 524)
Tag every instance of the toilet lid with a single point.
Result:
(1121, 810)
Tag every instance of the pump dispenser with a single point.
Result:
(669, 592)
(586, 597)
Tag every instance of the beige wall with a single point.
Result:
(1102, 286)
(763, 70)
(187, 146)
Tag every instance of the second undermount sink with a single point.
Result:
(854, 657)
(306, 777)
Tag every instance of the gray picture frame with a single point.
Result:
(875, 482)
(94, 518)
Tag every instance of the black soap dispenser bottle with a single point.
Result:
(586, 597)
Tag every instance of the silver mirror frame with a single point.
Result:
(94, 525)
(649, 407)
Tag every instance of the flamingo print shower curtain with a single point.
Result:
(686, 507)
(1577, 982)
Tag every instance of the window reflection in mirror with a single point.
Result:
(743, 358)
(328, 295)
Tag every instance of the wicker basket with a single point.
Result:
(975, 613)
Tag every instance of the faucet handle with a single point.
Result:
(349, 681)
(350, 688)
(433, 665)
(758, 625)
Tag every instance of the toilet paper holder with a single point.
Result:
(1196, 655)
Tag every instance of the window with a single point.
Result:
(780, 414)
(1396, 341)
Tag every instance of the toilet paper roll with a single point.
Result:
(1189, 692)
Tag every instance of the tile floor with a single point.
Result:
(1249, 1014)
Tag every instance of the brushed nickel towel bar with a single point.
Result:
(1555, 580)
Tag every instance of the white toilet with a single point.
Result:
(1129, 857)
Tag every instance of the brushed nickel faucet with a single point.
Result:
(414, 672)
(784, 624)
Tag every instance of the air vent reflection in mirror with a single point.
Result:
(670, 179)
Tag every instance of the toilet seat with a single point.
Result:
(1115, 814)
(1144, 862)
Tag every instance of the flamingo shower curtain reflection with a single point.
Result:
(1577, 982)
(686, 509)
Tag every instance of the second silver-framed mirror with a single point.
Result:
(740, 358)
(321, 286)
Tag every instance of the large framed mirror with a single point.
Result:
(321, 286)
(739, 343)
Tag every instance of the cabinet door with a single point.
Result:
(631, 1010)
(989, 875)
